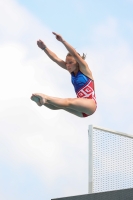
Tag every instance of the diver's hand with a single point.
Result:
(58, 37)
(41, 44)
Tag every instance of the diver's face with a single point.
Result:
(71, 64)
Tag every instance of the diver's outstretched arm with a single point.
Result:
(51, 54)
(71, 50)
(83, 66)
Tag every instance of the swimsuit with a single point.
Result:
(84, 87)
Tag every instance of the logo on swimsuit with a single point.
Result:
(80, 94)
(87, 91)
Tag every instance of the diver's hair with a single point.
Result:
(83, 56)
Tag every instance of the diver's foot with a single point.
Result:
(39, 98)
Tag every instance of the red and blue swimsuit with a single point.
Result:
(84, 86)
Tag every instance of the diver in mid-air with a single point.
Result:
(82, 80)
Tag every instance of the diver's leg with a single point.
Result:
(81, 105)
(52, 107)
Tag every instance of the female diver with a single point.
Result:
(82, 80)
